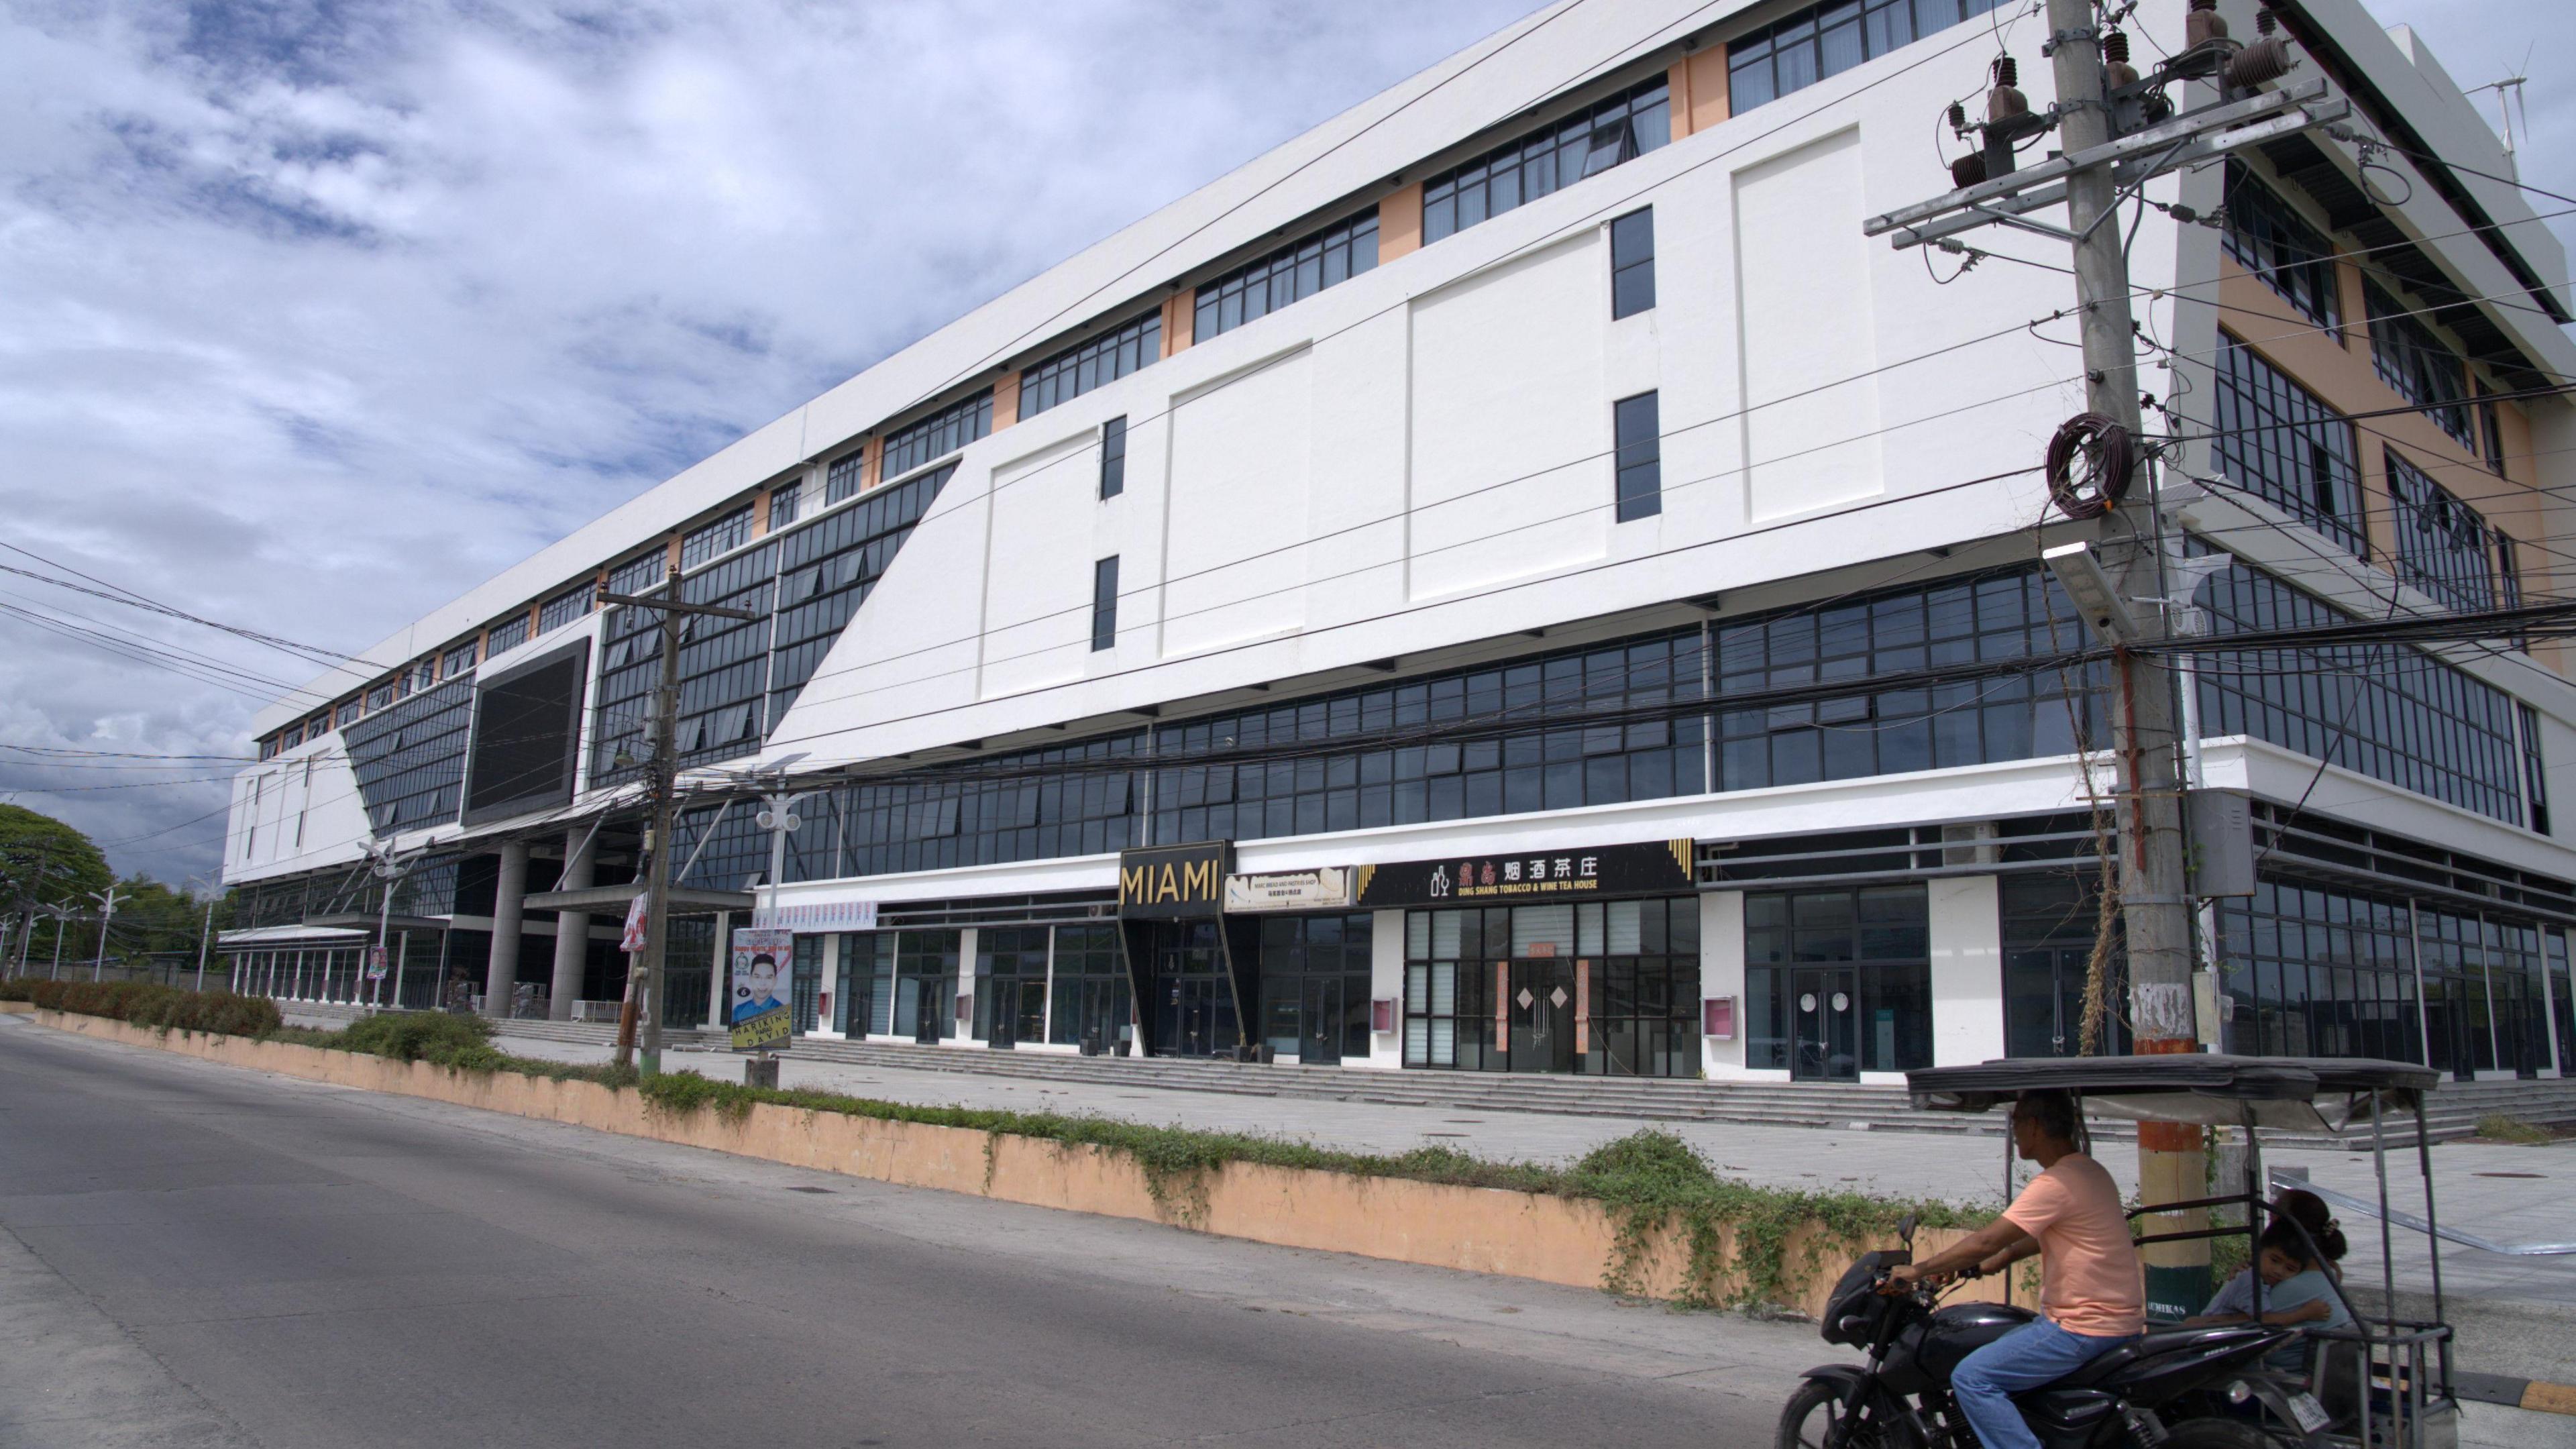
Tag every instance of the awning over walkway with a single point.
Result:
(258, 936)
(618, 897)
(365, 921)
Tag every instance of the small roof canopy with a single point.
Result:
(2201, 1087)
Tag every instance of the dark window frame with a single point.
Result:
(1323, 258)
(1547, 159)
(1113, 457)
(1637, 433)
(1632, 263)
(1104, 604)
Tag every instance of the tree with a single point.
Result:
(44, 862)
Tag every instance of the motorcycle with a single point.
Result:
(2167, 1389)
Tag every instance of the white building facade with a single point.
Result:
(1374, 612)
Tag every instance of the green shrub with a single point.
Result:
(18, 988)
(416, 1036)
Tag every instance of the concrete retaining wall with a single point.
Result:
(1484, 1230)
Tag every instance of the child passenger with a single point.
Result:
(2296, 1293)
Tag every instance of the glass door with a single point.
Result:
(1823, 1019)
(1542, 1015)
(1319, 1036)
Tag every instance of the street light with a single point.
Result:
(206, 937)
(389, 867)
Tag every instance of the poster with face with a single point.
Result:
(757, 1004)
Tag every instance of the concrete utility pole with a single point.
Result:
(663, 771)
(2113, 145)
(107, 916)
(2172, 1157)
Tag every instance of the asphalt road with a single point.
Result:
(198, 1255)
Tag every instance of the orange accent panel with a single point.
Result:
(2341, 373)
(672, 555)
(1180, 321)
(872, 462)
(2170, 1137)
(760, 513)
(1399, 222)
(1701, 78)
(1006, 400)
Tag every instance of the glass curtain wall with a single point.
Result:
(1604, 989)
(1010, 984)
(2051, 920)
(2315, 970)
(1315, 986)
(1091, 1004)
(1838, 982)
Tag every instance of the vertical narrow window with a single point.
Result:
(1104, 603)
(1632, 263)
(2535, 783)
(1113, 457)
(2491, 431)
(1638, 426)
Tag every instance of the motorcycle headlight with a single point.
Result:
(2238, 1392)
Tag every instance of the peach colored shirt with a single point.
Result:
(2093, 1284)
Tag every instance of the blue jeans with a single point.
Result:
(2039, 1352)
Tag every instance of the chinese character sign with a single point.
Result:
(1593, 872)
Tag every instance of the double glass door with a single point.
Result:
(1540, 1008)
(1824, 1012)
(1018, 1007)
(1193, 998)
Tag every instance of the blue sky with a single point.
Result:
(313, 314)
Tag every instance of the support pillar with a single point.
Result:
(720, 975)
(509, 904)
(1966, 919)
(572, 928)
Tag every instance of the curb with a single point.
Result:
(2537, 1395)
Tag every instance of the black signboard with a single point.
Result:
(1174, 882)
(1530, 877)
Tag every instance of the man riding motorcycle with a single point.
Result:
(2093, 1293)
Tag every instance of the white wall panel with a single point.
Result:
(1510, 421)
(1807, 330)
(1037, 567)
(1235, 506)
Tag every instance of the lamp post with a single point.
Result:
(389, 868)
(206, 937)
(107, 917)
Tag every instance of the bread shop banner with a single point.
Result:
(1532, 877)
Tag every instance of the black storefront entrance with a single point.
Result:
(1190, 966)
(1192, 992)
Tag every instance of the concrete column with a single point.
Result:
(961, 1032)
(509, 902)
(1386, 978)
(1966, 920)
(572, 928)
(1721, 977)
(720, 974)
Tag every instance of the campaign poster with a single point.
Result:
(756, 1006)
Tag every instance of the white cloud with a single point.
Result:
(314, 314)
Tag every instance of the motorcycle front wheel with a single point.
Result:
(1815, 1419)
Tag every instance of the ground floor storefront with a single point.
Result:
(1845, 958)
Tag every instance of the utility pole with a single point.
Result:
(107, 917)
(2172, 1157)
(2120, 131)
(389, 870)
(663, 771)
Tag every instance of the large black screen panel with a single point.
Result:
(527, 732)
